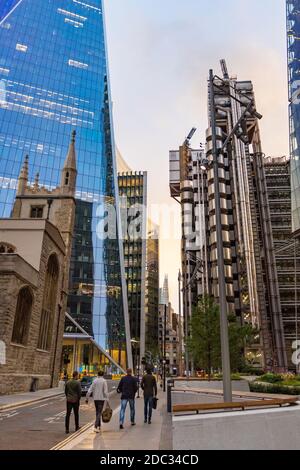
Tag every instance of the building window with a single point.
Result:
(67, 178)
(49, 304)
(6, 248)
(22, 316)
(36, 212)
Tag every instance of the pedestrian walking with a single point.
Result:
(73, 395)
(149, 386)
(127, 387)
(99, 391)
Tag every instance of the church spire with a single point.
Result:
(23, 177)
(69, 171)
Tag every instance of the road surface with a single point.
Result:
(41, 425)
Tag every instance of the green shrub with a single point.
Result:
(234, 376)
(271, 378)
(273, 388)
(248, 370)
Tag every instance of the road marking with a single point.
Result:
(27, 404)
(55, 418)
(8, 415)
(41, 406)
(78, 436)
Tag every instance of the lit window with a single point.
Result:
(78, 65)
(4, 71)
(76, 24)
(21, 48)
(71, 14)
(87, 5)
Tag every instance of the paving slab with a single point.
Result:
(153, 436)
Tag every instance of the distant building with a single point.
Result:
(164, 297)
(35, 249)
(169, 332)
(152, 290)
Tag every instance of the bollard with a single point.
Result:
(169, 395)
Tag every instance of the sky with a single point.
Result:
(160, 52)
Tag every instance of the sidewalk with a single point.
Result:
(21, 399)
(155, 436)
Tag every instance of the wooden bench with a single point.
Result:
(249, 395)
(242, 405)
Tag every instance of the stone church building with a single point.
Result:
(35, 250)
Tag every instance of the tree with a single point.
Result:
(204, 343)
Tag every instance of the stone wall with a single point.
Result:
(26, 362)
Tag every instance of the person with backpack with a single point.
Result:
(149, 386)
(99, 391)
(128, 387)
(73, 395)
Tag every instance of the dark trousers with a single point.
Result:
(75, 408)
(99, 407)
(148, 402)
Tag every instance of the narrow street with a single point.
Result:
(41, 425)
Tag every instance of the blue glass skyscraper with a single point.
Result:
(293, 33)
(53, 79)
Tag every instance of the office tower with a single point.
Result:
(141, 259)
(293, 40)
(251, 282)
(164, 292)
(238, 198)
(287, 254)
(133, 196)
(53, 79)
(152, 290)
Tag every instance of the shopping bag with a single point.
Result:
(154, 403)
(107, 414)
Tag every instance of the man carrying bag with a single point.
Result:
(99, 391)
(149, 386)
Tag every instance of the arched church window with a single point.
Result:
(22, 316)
(49, 304)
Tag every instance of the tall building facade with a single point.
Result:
(250, 279)
(133, 194)
(141, 255)
(293, 40)
(277, 171)
(54, 78)
(152, 290)
(252, 290)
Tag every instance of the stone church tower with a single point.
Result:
(35, 251)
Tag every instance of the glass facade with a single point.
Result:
(133, 193)
(293, 33)
(53, 79)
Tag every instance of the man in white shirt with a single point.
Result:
(99, 390)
